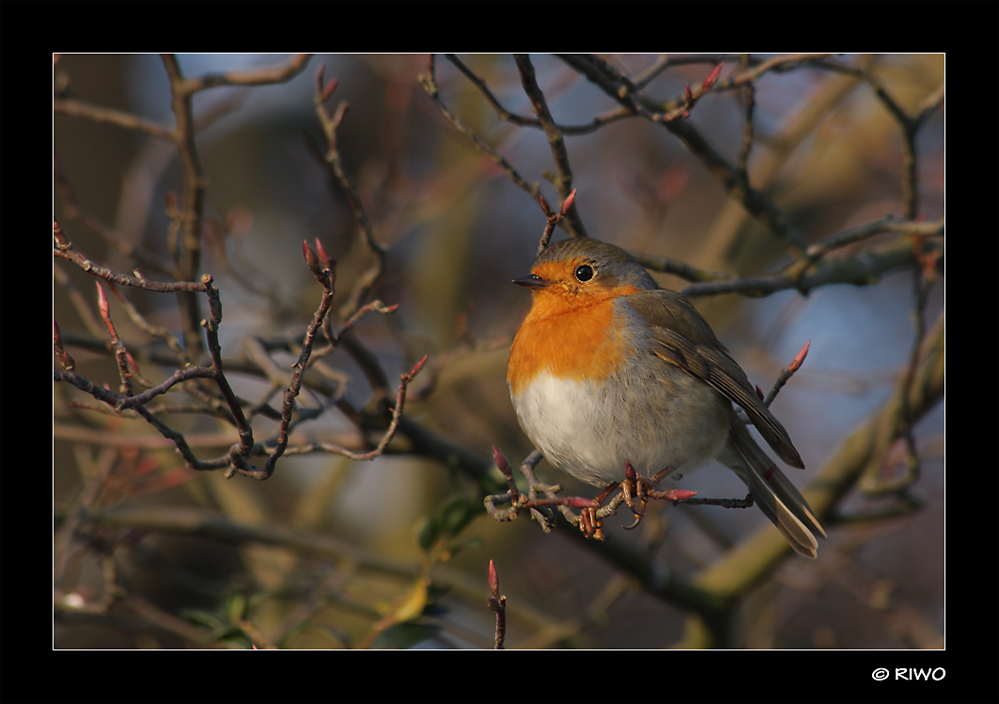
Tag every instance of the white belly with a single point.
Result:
(588, 432)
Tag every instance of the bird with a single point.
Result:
(608, 369)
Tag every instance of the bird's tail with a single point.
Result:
(773, 492)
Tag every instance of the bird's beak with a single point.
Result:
(532, 281)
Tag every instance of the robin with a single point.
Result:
(608, 368)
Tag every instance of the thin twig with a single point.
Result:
(326, 277)
(563, 181)
(331, 126)
(120, 353)
(497, 604)
(620, 88)
(393, 426)
(429, 83)
(862, 269)
(64, 250)
(128, 121)
(786, 374)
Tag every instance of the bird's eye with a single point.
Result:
(583, 273)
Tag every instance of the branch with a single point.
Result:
(521, 121)
(618, 87)
(429, 83)
(497, 603)
(64, 250)
(755, 557)
(188, 259)
(331, 126)
(251, 77)
(128, 121)
(563, 182)
(326, 275)
(862, 269)
(400, 401)
(909, 124)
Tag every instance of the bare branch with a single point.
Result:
(563, 181)
(429, 83)
(331, 126)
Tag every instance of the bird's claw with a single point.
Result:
(590, 523)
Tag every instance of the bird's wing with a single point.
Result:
(683, 338)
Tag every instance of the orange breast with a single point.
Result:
(570, 337)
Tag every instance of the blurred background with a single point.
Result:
(393, 552)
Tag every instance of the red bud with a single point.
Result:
(544, 204)
(325, 90)
(311, 259)
(799, 358)
(323, 256)
(712, 77)
(493, 579)
(569, 201)
(102, 301)
(417, 367)
(501, 462)
(330, 87)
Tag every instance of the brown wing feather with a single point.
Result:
(686, 340)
